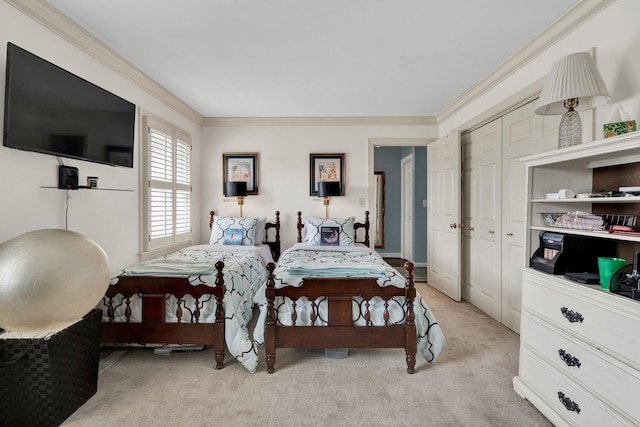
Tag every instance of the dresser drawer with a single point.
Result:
(574, 406)
(605, 377)
(602, 320)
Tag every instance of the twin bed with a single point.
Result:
(327, 291)
(327, 294)
(200, 295)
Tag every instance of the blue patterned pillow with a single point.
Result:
(313, 230)
(249, 227)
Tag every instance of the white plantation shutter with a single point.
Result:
(183, 188)
(167, 215)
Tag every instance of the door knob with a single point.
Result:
(509, 234)
(491, 231)
(453, 225)
(472, 229)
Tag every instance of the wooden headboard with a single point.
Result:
(274, 244)
(364, 225)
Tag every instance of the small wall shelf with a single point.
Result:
(89, 188)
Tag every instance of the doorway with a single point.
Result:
(406, 210)
(385, 155)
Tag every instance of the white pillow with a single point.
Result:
(313, 226)
(260, 231)
(249, 227)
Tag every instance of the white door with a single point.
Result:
(406, 207)
(523, 134)
(481, 236)
(443, 234)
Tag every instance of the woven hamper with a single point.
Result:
(44, 381)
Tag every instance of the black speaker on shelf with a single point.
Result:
(68, 177)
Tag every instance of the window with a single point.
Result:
(167, 187)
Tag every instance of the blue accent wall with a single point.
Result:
(420, 212)
(388, 159)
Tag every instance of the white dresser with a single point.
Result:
(579, 344)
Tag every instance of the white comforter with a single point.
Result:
(350, 261)
(244, 273)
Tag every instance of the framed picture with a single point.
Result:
(329, 236)
(241, 167)
(326, 167)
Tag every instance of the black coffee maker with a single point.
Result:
(560, 253)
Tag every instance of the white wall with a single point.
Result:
(614, 33)
(284, 168)
(111, 219)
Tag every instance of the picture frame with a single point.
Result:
(326, 167)
(329, 236)
(241, 167)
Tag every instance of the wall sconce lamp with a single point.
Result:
(328, 189)
(573, 83)
(236, 189)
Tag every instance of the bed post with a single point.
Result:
(366, 228)
(299, 225)
(411, 345)
(218, 292)
(277, 226)
(270, 328)
(211, 215)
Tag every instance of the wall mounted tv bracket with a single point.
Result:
(68, 177)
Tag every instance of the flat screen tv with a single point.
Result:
(50, 110)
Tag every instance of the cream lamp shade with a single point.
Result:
(574, 84)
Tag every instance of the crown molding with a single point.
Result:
(571, 19)
(321, 121)
(42, 12)
(54, 20)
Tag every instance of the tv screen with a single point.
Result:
(50, 110)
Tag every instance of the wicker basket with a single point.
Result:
(43, 381)
(575, 220)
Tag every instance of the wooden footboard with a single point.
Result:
(154, 329)
(340, 331)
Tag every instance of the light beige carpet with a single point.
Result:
(469, 385)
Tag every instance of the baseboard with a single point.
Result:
(390, 254)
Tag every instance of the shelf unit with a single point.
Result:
(579, 346)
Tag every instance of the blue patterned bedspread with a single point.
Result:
(351, 261)
(244, 274)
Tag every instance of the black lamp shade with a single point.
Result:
(235, 189)
(328, 188)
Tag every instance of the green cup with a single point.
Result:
(607, 266)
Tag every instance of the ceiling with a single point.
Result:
(315, 58)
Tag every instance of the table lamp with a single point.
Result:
(328, 189)
(574, 83)
(236, 189)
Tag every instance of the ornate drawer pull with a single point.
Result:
(568, 403)
(569, 359)
(571, 316)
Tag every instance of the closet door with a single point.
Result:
(523, 134)
(444, 261)
(481, 175)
